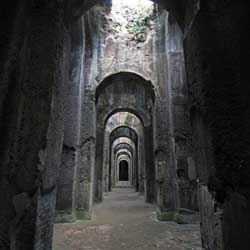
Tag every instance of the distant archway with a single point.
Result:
(131, 93)
(123, 171)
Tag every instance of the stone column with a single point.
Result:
(167, 189)
(84, 176)
(179, 116)
(167, 197)
(141, 165)
(149, 165)
(219, 88)
(106, 162)
(136, 169)
(34, 134)
(113, 173)
(100, 133)
(72, 107)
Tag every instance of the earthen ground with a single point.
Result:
(123, 221)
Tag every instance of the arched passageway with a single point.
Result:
(125, 93)
(139, 120)
(124, 167)
(55, 55)
(136, 137)
(123, 171)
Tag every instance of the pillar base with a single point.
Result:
(180, 216)
(98, 200)
(65, 217)
(83, 215)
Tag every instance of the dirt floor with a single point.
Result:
(125, 222)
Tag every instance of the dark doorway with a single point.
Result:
(123, 171)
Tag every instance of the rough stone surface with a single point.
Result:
(53, 57)
(124, 221)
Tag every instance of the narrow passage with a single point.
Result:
(123, 221)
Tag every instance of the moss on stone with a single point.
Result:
(83, 215)
(65, 217)
(140, 23)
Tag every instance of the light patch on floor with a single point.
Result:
(125, 222)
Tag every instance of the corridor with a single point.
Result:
(124, 221)
(124, 125)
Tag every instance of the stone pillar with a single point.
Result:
(141, 165)
(106, 162)
(218, 84)
(84, 176)
(180, 116)
(113, 173)
(136, 164)
(72, 107)
(100, 132)
(34, 135)
(10, 54)
(149, 165)
(167, 197)
(131, 172)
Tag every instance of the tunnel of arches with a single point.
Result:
(123, 171)
(124, 106)
(51, 58)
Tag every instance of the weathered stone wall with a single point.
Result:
(112, 47)
(108, 52)
(173, 147)
(214, 32)
(35, 56)
(72, 107)
(34, 53)
(33, 78)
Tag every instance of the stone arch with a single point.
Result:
(123, 168)
(130, 84)
(124, 152)
(103, 76)
(143, 116)
(123, 146)
(120, 75)
(121, 92)
(136, 162)
(123, 131)
(120, 119)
